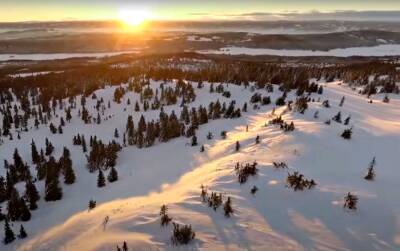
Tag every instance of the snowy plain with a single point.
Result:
(171, 173)
(374, 51)
(54, 56)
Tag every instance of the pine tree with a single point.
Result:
(13, 206)
(22, 233)
(237, 146)
(92, 204)
(3, 191)
(228, 207)
(338, 117)
(35, 154)
(165, 219)
(84, 148)
(101, 181)
(347, 133)
(25, 213)
(347, 120)
(341, 102)
(253, 190)
(8, 233)
(371, 172)
(113, 175)
(49, 147)
(125, 247)
(31, 194)
(69, 176)
(350, 201)
(53, 191)
(194, 140)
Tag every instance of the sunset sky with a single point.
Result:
(61, 10)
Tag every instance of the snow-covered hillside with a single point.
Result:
(275, 217)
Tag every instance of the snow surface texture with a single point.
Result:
(374, 51)
(276, 217)
(54, 56)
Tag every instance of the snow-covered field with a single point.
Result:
(275, 218)
(374, 51)
(54, 56)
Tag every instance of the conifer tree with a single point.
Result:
(237, 146)
(101, 181)
(25, 213)
(92, 204)
(49, 148)
(371, 172)
(8, 233)
(22, 233)
(69, 176)
(35, 154)
(13, 206)
(31, 194)
(125, 247)
(84, 148)
(165, 219)
(113, 175)
(52, 189)
(338, 117)
(228, 207)
(341, 102)
(3, 190)
(347, 133)
(194, 140)
(253, 190)
(347, 120)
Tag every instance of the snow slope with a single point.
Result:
(274, 218)
(375, 51)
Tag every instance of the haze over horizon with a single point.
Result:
(253, 10)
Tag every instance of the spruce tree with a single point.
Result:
(101, 181)
(165, 219)
(35, 154)
(52, 189)
(13, 206)
(237, 146)
(3, 191)
(84, 148)
(22, 234)
(194, 140)
(25, 213)
(113, 175)
(8, 233)
(341, 102)
(228, 207)
(69, 176)
(125, 247)
(92, 204)
(31, 194)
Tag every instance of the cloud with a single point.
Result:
(339, 15)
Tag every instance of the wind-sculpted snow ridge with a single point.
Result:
(274, 217)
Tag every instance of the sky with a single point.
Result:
(62, 10)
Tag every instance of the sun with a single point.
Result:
(133, 18)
